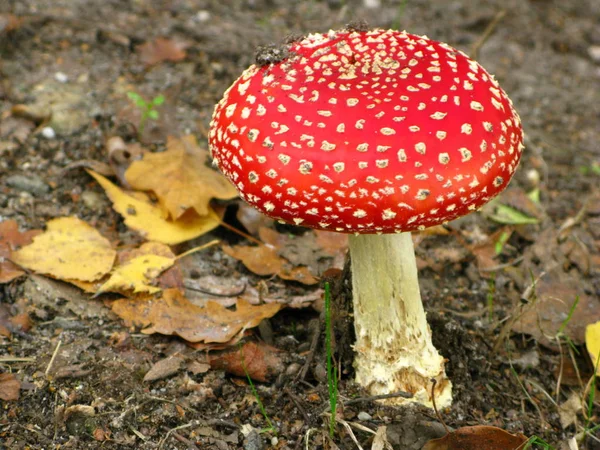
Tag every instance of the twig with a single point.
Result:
(311, 354)
(8, 359)
(241, 233)
(196, 249)
(487, 33)
(379, 397)
(298, 404)
(53, 357)
(174, 430)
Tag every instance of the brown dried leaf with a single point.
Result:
(263, 260)
(162, 49)
(173, 314)
(164, 368)
(251, 218)
(9, 22)
(259, 361)
(479, 437)
(120, 157)
(485, 253)
(555, 294)
(180, 178)
(9, 387)
(11, 240)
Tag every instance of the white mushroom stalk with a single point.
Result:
(393, 345)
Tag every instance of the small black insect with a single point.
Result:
(358, 25)
(271, 54)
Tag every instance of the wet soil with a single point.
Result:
(78, 59)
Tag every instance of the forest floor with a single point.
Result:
(500, 313)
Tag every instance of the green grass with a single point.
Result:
(331, 370)
(271, 428)
(147, 108)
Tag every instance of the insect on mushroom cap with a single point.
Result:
(368, 132)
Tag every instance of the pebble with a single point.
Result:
(94, 200)
(594, 52)
(48, 133)
(61, 77)
(293, 369)
(254, 441)
(364, 416)
(31, 183)
(202, 16)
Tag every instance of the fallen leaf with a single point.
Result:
(162, 49)
(568, 410)
(180, 177)
(251, 218)
(68, 249)
(10, 240)
(263, 260)
(555, 294)
(164, 368)
(148, 219)
(592, 343)
(121, 155)
(173, 314)
(136, 274)
(171, 277)
(9, 387)
(511, 216)
(9, 22)
(486, 252)
(478, 437)
(259, 361)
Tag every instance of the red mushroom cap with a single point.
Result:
(367, 131)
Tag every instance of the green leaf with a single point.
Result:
(511, 216)
(158, 100)
(153, 114)
(534, 196)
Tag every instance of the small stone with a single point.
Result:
(202, 16)
(594, 52)
(254, 441)
(292, 369)
(48, 133)
(93, 200)
(32, 184)
(372, 4)
(364, 416)
(61, 77)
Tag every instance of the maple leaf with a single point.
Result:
(173, 314)
(149, 220)
(162, 49)
(180, 178)
(68, 249)
(10, 240)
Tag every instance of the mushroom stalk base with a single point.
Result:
(393, 346)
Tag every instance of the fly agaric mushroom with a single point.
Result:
(373, 133)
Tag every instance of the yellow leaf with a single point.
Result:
(592, 342)
(172, 313)
(148, 220)
(180, 178)
(136, 274)
(68, 249)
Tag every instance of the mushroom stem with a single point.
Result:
(393, 346)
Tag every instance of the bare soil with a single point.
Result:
(78, 58)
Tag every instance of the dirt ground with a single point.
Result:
(512, 367)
